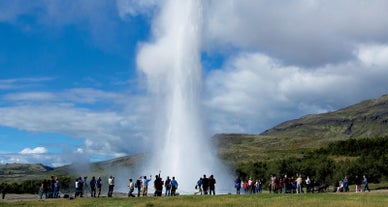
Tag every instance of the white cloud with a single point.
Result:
(36, 150)
(135, 7)
(254, 92)
(300, 32)
(373, 54)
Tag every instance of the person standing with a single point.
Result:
(357, 182)
(365, 181)
(93, 187)
(131, 187)
(4, 191)
(138, 186)
(174, 186)
(212, 185)
(205, 184)
(99, 186)
(237, 185)
(56, 188)
(345, 182)
(158, 185)
(111, 183)
(145, 182)
(299, 181)
(308, 184)
(167, 186)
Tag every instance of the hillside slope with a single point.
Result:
(367, 119)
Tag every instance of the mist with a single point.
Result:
(172, 66)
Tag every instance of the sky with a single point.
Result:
(71, 88)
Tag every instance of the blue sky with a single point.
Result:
(70, 84)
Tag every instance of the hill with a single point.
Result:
(367, 119)
(21, 172)
(18, 173)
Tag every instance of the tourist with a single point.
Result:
(299, 181)
(93, 187)
(138, 185)
(237, 185)
(212, 185)
(205, 184)
(41, 190)
(198, 187)
(174, 186)
(3, 192)
(111, 183)
(308, 184)
(131, 187)
(366, 187)
(99, 186)
(167, 186)
(145, 182)
(56, 188)
(345, 182)
(158, 185)
(357, 182)
(76, 188)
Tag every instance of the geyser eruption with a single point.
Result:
(172, 65)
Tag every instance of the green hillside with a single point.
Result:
(368, 119)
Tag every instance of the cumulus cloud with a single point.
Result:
(106, 121)
(36, 150)
(254, 92)
(304, 32)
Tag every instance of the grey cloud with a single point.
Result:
(304, 33)
(254, 92)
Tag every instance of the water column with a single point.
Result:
(172, 64)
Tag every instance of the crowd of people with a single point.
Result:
(142, 185)
(205, 186)
(50, 188)
(295, 184)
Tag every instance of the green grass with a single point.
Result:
(273, 200)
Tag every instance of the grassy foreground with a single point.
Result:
(273, 200)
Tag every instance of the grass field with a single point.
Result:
(273, 200)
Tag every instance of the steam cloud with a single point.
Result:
(172, 66)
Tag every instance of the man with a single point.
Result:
(174, 186)
(366, 187)
(3, 192)
(99, 186)
(167, 186)
(111, 183)
(93, 187)
(237, 185)
(56, 188)
(212, 185)
(145, 182)
(138, 185)
(131, 187)
(158, 184)
(205, 184)
(199, 187)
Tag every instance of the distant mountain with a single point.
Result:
(10, 173)
(367, 119)
(20, 172)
